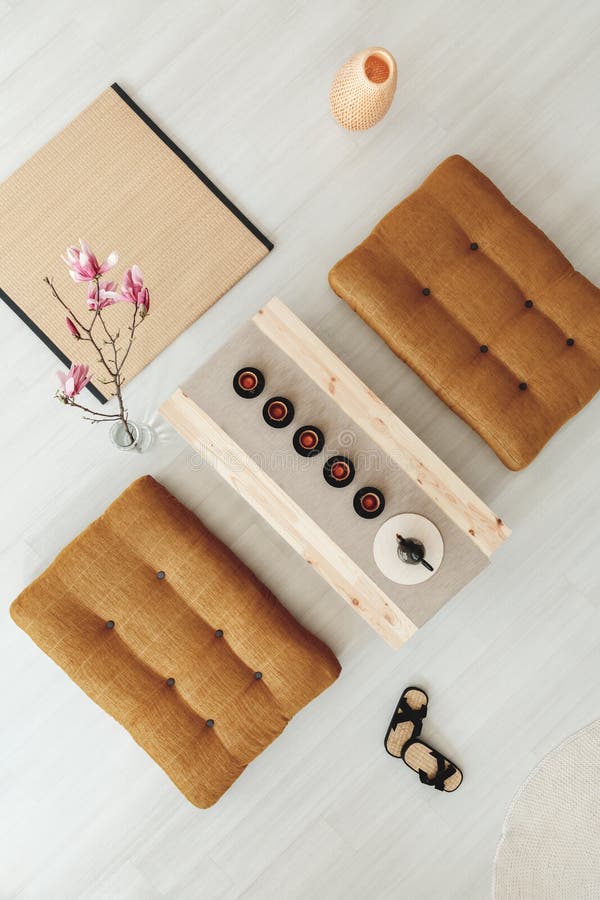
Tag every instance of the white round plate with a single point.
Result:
(385, 548)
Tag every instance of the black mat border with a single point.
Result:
(46, 340)
(197, 171)
(192, 166)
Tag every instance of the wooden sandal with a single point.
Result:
(432, 768)
(407, 721)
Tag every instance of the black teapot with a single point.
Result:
(412, 552)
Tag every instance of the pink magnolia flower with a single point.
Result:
(133, 290)
(108, 295)
(74, 381)
(73, 328)
(84, 266)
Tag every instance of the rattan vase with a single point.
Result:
(363, 89)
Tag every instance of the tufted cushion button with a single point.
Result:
(160, 575)
(219, 632)
(484, 348)
(528, 304)
(110, 624)
(523, 386)
(570, 342)
(258, 675)
(170, 682)
(474, 246)
(210, 723)
(426, 292)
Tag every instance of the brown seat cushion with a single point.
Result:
(165, 627)
(515, 293)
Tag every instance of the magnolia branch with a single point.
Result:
(86, 270)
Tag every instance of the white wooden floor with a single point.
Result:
(512, 665)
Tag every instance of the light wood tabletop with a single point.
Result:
(314, 519)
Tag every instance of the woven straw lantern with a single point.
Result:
(363, 89)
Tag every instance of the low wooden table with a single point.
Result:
(289, 490)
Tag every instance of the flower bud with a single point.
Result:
(73, 329)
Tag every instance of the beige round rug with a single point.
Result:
(550, 846)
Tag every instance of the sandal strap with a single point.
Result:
(445, 770)
(406, 713)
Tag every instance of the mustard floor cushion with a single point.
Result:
(169, 632)
(483, 306)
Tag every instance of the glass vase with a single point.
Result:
(143, 437)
